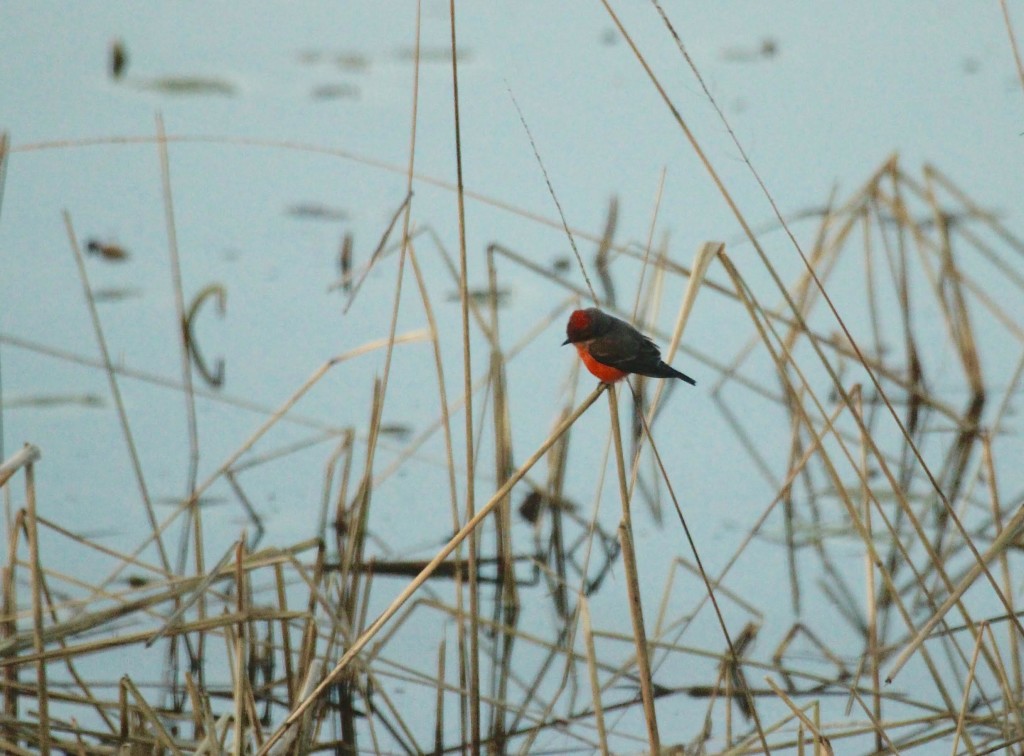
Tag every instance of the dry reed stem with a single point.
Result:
(36, 572)
(115, 392)
(149, 715)
(636, 614)
(601, 257)
(997, 520)
(1013, 42)
(877, 724)
(235, 639)
(179, 303)
(506, 598)
(186, 350)
(873, 651)
(439, 705)
(354, 548)
(973, 209)
(5, 147)
(72, 670)
(128, 639)
(702, 261)
(639, 637)
(25, 456)
(799, 714)
(554, 198)
(9, 628)
(467, 386)
(366, 485)
(444, 422)
(962, 716)
(649, 245)
(200, 590)
(377, 252)
(595, 686)
(5, 151)
(1004, 538)
(1010, 707)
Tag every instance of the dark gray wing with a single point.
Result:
(633, 353)
(629, 352)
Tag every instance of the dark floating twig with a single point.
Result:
(216, 377)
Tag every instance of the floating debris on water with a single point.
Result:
(316, 211)
(310, 57)
(50, 401)
(767, 50)
(118, 58)
(202, 501)
(529, 510)
(345, 261)
(352, 61)
(189, 85)
(483, 296)
(401, 431)
(433, 54)
(116, 294)
(335, 92)
(347, 61)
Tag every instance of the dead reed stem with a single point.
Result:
(37, 605)
(643, 661)
(179, 303)
(1013, 42)
(473, 681)
(595, 686)
(115, 392)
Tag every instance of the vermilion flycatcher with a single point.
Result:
(612, 348)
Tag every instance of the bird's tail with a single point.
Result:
(681, 376)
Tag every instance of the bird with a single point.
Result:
(611, 348)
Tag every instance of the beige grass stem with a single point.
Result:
(1013, 42)
(115, 391)
(36, 571)
(643, 660)
(467, 386)
(179, 300)
(595, 685)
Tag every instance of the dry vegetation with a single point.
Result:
(896, 398)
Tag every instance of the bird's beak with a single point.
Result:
(565, 342)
